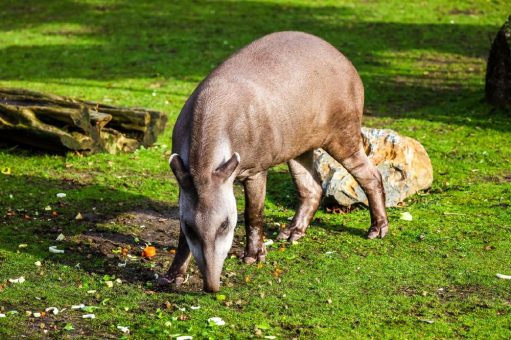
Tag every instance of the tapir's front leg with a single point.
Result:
(255, 191)
(177, 270)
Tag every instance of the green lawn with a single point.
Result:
(423, 65)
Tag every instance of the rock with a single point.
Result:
(498, 70)
(402, 161)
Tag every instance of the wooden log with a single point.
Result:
(23, 126)
(60, 123)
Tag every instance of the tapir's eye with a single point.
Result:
(224, 226)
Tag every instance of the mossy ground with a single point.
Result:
(422, 64)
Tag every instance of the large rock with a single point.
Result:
(498, 71)
(402, 161)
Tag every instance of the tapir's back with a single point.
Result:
(278, 97)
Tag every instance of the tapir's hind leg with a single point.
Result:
(369, 178)
(309, 192)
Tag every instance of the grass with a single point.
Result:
(423, 67)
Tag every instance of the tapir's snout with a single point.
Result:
(211, 270)
(211, 286)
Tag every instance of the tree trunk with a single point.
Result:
(58, 124)
(498, 72)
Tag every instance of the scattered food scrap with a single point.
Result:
(149, 251)
(504, 277)
(20, 279)
(216, 321)
(54, 250)
(406, 216)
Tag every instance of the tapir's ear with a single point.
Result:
(178, 168)
(225, 170)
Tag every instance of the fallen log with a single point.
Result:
(60, 124)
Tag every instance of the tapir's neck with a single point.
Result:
(210, 144)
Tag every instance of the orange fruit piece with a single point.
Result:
(149, 251)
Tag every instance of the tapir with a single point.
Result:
(273, 101)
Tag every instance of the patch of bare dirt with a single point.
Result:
(158, 228)
(468, 11)
(502, 178)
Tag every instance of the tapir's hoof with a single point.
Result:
(290, 235)
(284, 235)
(377, 231)
(252, 258)
(167, 281)
(295, 236)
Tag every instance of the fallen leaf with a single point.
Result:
(109, 284)
(220, 297)
(263, 325)
(79, 217)
(61, 237)
(277, 272)
(6, 170)
(38, 263)
(68, 327)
